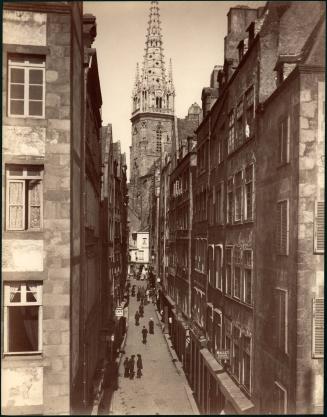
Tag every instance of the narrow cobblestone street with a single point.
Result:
(161, 389)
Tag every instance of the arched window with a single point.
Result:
(159, 138)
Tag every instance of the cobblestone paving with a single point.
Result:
(161, 389)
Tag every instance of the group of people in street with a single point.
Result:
(129, 365)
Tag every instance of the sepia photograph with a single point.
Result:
(163, 207)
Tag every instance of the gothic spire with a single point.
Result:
(155, 91)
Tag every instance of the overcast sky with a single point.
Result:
(193, 37)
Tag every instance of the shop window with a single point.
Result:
(284, 141)
(22, 317)
(279, 399)
(282, 227)
(24, 197)
(247, 276)
(228, 283)
(249, 193)
(26, 86)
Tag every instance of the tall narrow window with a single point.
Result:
(230, 201)
(247, 276)
(246, 363)
(238, 196)
(219, 207)
(236, 353)
(159, 139)
(239, 125)
(319, 227)
(281, 323)
(231, 132)
(249, 115)
(26, 82)
(280, 399)
(282, 227)
(211, 265)
(218, 267)
(24, 197)
(218, 329)
(22, 317)
(284, 141)
(249, 193)
(237, 262)
(228, 283)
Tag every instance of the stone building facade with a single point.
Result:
(152, 118)
(256, 325)
(51, 208)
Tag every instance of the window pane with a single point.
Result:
(16, 192)
(36, 92)
(17, 91)
(34, 188)
(15, 172)
(36, 60)
(17, 75)
(31, 293)
(17, 107)
(16, 217)
(36, 76)
(23, 329)
(15, 293)
(35, 108)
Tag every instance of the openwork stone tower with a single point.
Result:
(152, 117)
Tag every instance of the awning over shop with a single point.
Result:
(213, 365)
(233, 393)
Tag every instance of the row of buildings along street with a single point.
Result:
(220, 227)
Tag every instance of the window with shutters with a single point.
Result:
(279, 399)
(24, 197)
(231, 132)
(237, 263)
(22, 317)
(282, 234)
(319, 227)
(281, 323)
(249, 193)
(230, 201)
(26, 86)
(218, 267)
(284, 141)
(228, 281)
(238, 196)
(318, 328)
(247, 276)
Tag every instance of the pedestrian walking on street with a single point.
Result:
(139, 365)
(144, 334)
(131, 367)
(126, 367)
(137, 318)
(151, 326)
(141, 310)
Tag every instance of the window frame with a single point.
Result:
(249, 102)
(249, 353)
(26, 66)
(247, 267)
(218, 270)
(23, 179)
(282, 338)
(231, 132)
(284, 146)
(246, 183)
(239, 266)
(279, 233)
(237, 342)
(230, 205)
(227, 248)
(7, 304)
(238, 188)
(319, 227)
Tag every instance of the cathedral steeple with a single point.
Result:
(154, 93)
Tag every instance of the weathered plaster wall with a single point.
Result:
(22, 255)
(18, 26)
(18, 140)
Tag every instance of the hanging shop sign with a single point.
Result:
(223, 354)
(119, 312)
